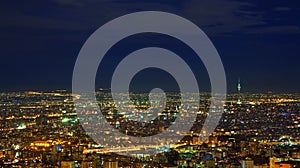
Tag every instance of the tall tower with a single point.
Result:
(239, 91)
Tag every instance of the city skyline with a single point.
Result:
(41, 129)
(257, 41)
(150, 84)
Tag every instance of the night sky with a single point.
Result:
(258, 41)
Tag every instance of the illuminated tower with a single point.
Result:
(239, 92)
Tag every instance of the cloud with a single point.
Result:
(20, 20)
(219, 17)
(69, 2)
(222, 17)
(286, 29)
(282, 9)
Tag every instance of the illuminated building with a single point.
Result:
(248, 163)
(67, 164)
(239, 92)
(111, 164)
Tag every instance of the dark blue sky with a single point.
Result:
(258, 41)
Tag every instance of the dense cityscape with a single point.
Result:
(41, 129)
(149, 84)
